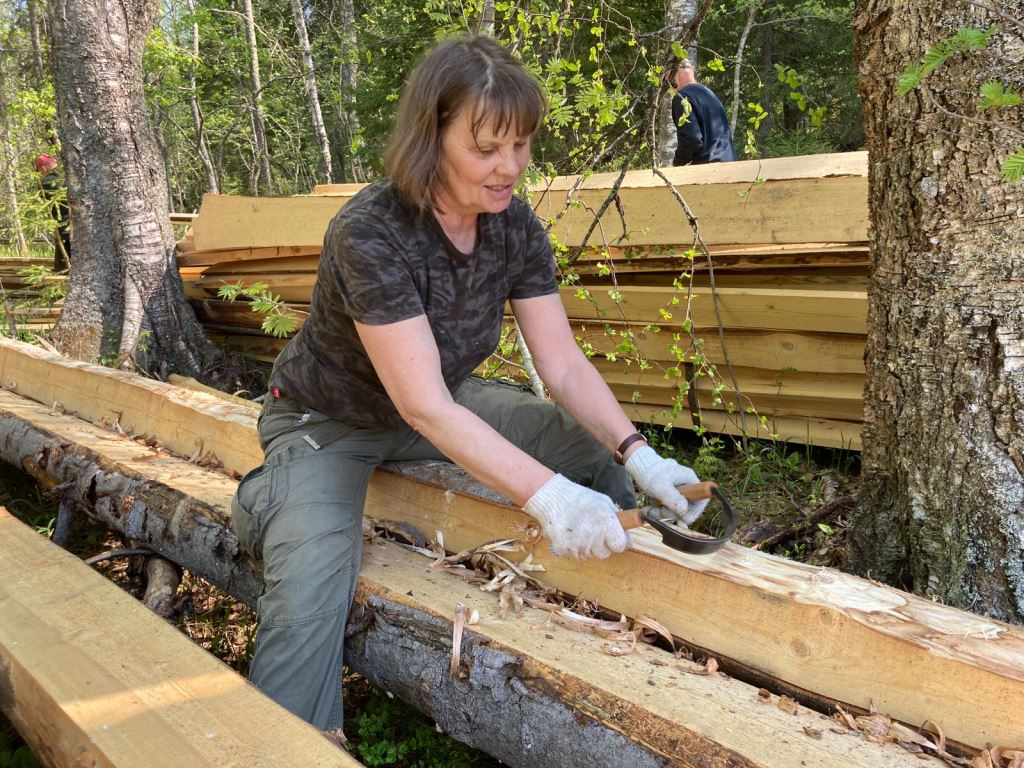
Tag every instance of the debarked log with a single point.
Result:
(528, 690)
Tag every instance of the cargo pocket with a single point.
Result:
(252, 506)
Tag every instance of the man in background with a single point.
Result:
(53, 192)
(702, 125)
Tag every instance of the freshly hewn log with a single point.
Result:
(529, 691)
(793, 622)
(224, 434)
(90, 677)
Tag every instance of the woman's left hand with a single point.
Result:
(658, 477)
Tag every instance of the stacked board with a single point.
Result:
(22, 309)
(760, 306)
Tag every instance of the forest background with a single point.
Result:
(232, 110)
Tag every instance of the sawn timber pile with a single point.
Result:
(829, 635)
(783, 300)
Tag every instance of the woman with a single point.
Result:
(414, 277)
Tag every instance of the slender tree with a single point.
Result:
(124, 279)
(256, 101)
(348, 76)
(202, 148)
(679, 16)
(312, 93)
(943, 493)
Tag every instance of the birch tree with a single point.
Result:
(256, 101)
(312, 94)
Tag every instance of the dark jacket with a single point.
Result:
(704, 134)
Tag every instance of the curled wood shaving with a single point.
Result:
(457, 627)
(645, 622)
(788, 705)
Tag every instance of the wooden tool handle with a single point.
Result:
(633, 518)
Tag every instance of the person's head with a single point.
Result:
(44, 163)
(464, 125)
(685, 74)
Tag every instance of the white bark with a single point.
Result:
(755, 5)
(312, 94)
(256, 100)
(678, 14)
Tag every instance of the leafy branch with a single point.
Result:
(993, 96)
(279, 320)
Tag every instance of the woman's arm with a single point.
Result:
(577, 386)
(406, 359)
(571, 379)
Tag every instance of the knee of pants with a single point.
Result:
(311, 562)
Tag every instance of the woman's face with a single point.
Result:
(480, 172)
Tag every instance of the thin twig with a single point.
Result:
(115, 553)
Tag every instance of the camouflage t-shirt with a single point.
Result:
(383, 262)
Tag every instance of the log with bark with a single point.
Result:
(533, 690)
(833, 635)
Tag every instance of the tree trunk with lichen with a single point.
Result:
(125, 298)
(942, 510)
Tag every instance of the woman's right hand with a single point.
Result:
(579, 522)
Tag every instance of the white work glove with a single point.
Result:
(578, 521)
(658, 478)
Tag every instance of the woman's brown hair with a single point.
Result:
(460, 73)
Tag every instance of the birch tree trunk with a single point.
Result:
(124, 278)
(256, 101)
(678, 14)
(202, 148)
(943, 495)
(348, 74)
(755, 5)
(312, 94)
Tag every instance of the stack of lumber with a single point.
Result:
(528, 689)
(21, 304)
(769, 322)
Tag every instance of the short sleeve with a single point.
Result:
(537, 277)
(373, 278)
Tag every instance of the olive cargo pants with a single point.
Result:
(300, 513)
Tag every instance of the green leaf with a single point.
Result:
(1013, 166)
(716, 65)
(678, 51)
(993, 95)
(909, 80)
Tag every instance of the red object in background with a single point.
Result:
(43, 162)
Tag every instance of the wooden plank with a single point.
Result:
(290, 287)
(233, 255)
(802, 430)
(92, 677)
(231, 221)
(772, 350)
(796, 623)
(529, 690)
(835, 311)
(785, 211)
(752, 381)
(785, 200)
(338, 189)
(138, 405)
(281, 264)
